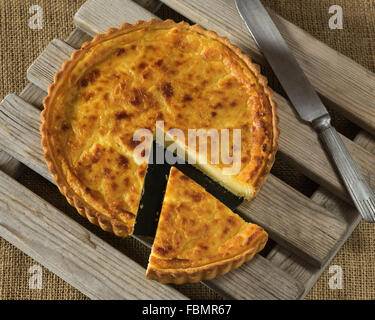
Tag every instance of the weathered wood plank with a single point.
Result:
(311, 232)
(267, 283)
(8, 164)
(69, 250)
(19, 123)
(302, 147)
(42, 71)
(298, 221)
(298, 268)
(93, 16)
(298, 141)
(348, 85)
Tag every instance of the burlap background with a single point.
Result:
(20, 46)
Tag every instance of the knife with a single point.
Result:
(306, 101)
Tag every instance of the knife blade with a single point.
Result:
(306, 101)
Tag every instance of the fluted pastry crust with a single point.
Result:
(127, 79)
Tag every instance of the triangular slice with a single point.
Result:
(198, 238)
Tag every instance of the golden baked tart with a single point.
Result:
(134, 76)
(198, 238)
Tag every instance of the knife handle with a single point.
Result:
(362, 195)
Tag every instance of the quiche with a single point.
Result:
(198, 238)
(138, 75)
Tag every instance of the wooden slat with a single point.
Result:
(302, 147)
(298, 268)
(120, 11)
(69, 250)
(294, 220)
(266, 282)
(19, 123)
(93, 16)
(42, 71)
(348, 85)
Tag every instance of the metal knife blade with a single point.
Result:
(306, 101)
(294, 81)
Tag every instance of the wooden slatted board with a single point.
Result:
(308, 231)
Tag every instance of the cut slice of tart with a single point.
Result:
(134, 76)
(198, 238)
